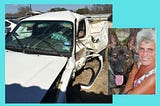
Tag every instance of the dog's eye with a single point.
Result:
(126, 57)
(114, 55)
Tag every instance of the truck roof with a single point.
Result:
(61, 15)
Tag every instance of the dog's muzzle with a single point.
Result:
(119, 79)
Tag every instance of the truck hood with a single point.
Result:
(30, 70)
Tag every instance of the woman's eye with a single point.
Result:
(150, 50)
(141, 49)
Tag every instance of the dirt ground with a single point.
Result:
(98, 93)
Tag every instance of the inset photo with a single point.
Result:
(131, 61)
(56, 53)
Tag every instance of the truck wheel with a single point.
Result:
(73, 93)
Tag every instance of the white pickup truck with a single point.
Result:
(44, 52)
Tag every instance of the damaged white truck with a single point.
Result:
(44, 52)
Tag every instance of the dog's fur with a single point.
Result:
(120, 59)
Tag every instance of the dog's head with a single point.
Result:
(121, 56)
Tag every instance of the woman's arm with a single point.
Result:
(146, 87)
(130, 81)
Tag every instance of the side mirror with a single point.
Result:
(7, 30)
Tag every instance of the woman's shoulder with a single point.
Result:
(150, 80)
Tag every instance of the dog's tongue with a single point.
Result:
(119, 80)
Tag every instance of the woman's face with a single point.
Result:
(146, 52)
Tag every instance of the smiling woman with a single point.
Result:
(142, 78)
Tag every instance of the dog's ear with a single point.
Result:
(112, 39)
(131, 41)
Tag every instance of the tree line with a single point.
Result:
(93, 9)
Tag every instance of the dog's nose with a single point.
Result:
(119, 70)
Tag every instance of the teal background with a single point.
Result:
(126, 14)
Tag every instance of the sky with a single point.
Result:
(12, 8)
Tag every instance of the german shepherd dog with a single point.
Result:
(120, 60)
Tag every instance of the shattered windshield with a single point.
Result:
(46, 37)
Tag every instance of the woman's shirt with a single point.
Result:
(139, 80)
